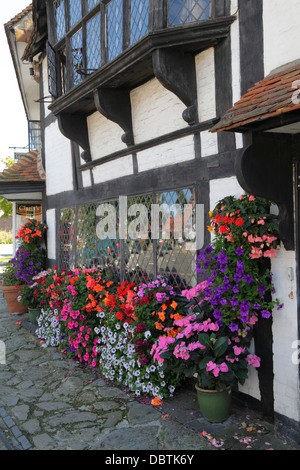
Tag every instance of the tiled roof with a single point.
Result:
(28, 168)
(271, 97)
(19, 16)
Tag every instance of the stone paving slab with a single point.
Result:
(48, 402)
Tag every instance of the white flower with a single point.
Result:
(147, 334)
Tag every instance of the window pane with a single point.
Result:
(176, 249)
(92, 4)
(188, 11)
(75, 11)
(139, 249)
(77, 57)
(115, 28)
(59, 7)
(93, 34)
(139, 19)
(67, 239)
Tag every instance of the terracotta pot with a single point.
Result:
(11, 293)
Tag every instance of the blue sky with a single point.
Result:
(13, 129)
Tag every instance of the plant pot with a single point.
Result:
(34, 314)
(11, 294)
(214, 404)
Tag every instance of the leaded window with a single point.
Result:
(114, 28)
(139, 19)
(157, 237)
(188, 11)
(87, 34)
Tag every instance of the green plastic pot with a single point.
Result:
(214, 405)
(34, 314)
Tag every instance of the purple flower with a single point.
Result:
(233, 327)
(239, 251)
(265, 314)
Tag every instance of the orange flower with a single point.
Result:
(164, 307)
(158, 325)
(174, 305)
(156, 401)
(161, 316)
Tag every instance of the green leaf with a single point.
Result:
(221, 346)
(204, 339)
(202, 364)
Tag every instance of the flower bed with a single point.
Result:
(150, 337)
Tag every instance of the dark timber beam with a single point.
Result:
(115, 105)
(176, 71)
(265, 169)
(74, 127)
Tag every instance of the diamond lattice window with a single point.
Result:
(93, 37)
(67, 239)
(188, 11)
(115, 28)
(159, 233)
(92, 4)
(75, 10)
(77, 57)
(60, 16)
(139, 19)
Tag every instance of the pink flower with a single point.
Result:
(261, 222)
(211, 366)
(253, 360)
(272, 253)
(251, 198)
(195, 345)
(255, 253)
(237, 350)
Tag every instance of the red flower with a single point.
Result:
(239, 222)
(223, 229)
(119, 316)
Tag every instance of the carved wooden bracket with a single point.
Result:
(115, 105)
(176, 71)
(74, 127)
(265, 169)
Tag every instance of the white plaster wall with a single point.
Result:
(155, 111)
(104, 135)
(86, 178)
(51, 233)
(205, 76)
(281, 32)
(236, 63)
(112, 170)
(209, 144)
(59, 169)
(285, 328)
(46, 86)
(169, 153)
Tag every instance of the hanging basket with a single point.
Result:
(214, 405)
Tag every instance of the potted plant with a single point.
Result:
(30, 298)
(210, 352)
(12, 289)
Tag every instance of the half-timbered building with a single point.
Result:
(177, 102)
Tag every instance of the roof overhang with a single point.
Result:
(19, 32)
(273, 104)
